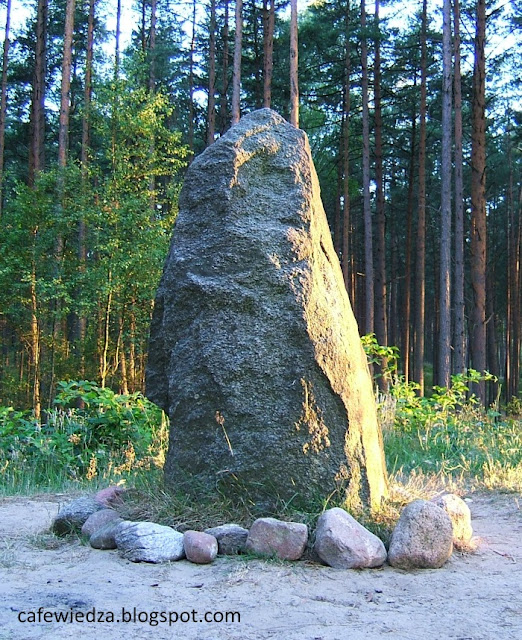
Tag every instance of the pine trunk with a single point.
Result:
(3, 100)
(444, 351)
(37, 118)
(346, 222)
(381, 328)
(211, 110)
(236, 83)
(459, 360)
(478, 201)
(294, 74)
(406, 321)
(224, 77)
(268, 50)
(368, 230)
(420, 266)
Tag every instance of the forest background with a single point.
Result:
(414, 117)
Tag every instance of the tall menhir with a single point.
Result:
(254, 350)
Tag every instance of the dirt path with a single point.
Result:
(474, 597)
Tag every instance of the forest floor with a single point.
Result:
(475, 596)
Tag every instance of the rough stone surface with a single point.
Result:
(460, 517)
(110, 496)
(254, 350)
(105, 538)
(149, 542)
(98, 520)
(272, 537)
(200, 547)
(343, 543)
(73, 515)
(231, 538)
(422, 538)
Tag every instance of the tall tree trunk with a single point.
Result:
(104, 360)
(345, 249)
(478, 200)
(406, 321)
(211, 107)
(37, 124)
(459, 359)
(381, 328)
(152, 46)
(3, 100)
(81, 320)
(122, 356)
(444, 351)
(65, 103)
(224, 76)
(191, 79)
(368, 230)
(514, 294)
(236, 83)
(132, 346)
(420, 265)
(35, 338)
(268, 50)
(491, 338)
(117, 41)
(294, 74)
(63, 144)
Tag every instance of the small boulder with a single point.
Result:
(231, 538)
(343, 543)
(272, 537)
(98, 520)
(149, 542)
(110, 496)
(460, 517)
(422, 538)
(72, 516)
(201, 548)
(105, 538)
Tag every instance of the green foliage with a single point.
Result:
(386, 357)
(91, 433)
(450, 434)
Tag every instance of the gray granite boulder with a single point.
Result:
(422, 538)
(98, 520)
(72, 516)
(272, 537)
(231, 538)
(343, 543)
(254, 350)
(149, 542)
(200, 547)
(460, 516)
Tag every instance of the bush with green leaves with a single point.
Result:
(91, 433)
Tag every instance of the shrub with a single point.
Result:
(90, 433)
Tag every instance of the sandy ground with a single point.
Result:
(473, 597)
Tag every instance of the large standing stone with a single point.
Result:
(254, 350)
